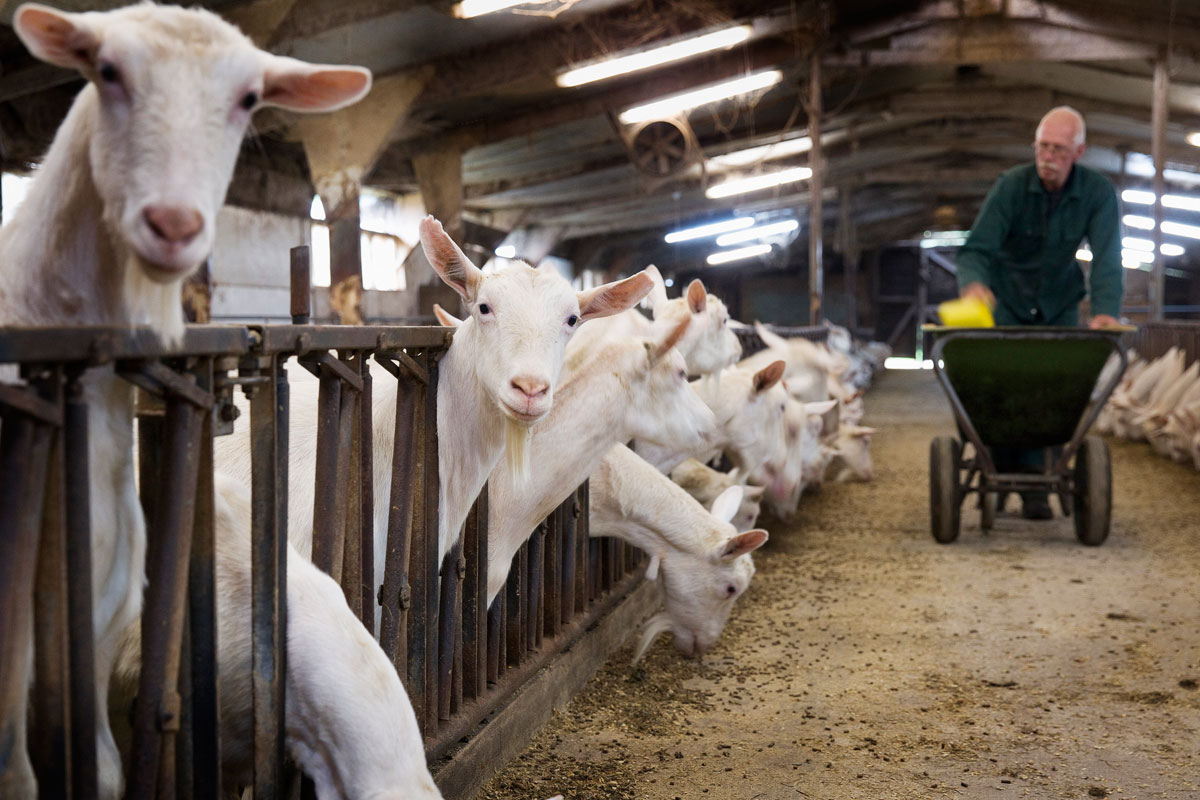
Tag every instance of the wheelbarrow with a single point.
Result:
(1029, 388)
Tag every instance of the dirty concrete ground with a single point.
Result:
(867, 661)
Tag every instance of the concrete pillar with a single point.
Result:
(816, 164)
(1158, 147)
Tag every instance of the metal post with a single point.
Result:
(1158, 146)
(301, 283)
(816, 164)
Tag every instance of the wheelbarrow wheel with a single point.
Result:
(945, 498)
(1093, 491)
(987, 510)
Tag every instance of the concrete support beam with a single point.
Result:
(817, 164)
(1158, 125)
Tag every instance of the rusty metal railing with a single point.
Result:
(752, 343)
(1153, 339)
(458, 660)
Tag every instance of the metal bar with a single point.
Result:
(432, 510)
(817, 165)
(93, 345)
(582, 551)
(79, 592)
(395, 593)
(1159, 112)
(366, 499)
(268, 485)
(536, 566)
(495, 636)
(50, 727)
(475, 617)
(326, 488)
(301, 284)
(344, 508)
(514, 606)
(552, 604)
(450, 621)
(202, 617)
(156, 710)
(570, 547)
(24, 453)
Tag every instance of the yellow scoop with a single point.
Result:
(966, 312)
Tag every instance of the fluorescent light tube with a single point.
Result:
(711, 229)
(677, 51)
(759, 232)
(757, 182)
(1193, 138)
(725, 256)
(766, 152)
(506, 251)
(1083, 255)
(1144, 198)
(475, 8)
(674, 104)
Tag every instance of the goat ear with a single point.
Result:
(770, 338)
(299, 86)
(448, 261)
(819, 407)
(612, 298)
(57, 37)
(447, 319)
(726, 505)
(743, 543)
(755, 492)
(672, 339)
(697, 296)
(658, 294)
(768, 376)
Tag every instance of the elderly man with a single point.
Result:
(1020, 255)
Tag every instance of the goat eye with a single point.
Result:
(572, 321)
(109, 73)
(485, 309)
(730, 590)
(249, 100)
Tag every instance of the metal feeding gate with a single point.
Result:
(751, 342)
(458, 662)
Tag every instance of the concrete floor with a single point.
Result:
(867, 661)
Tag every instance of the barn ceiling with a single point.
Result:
(923, 104)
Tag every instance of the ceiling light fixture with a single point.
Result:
(675, 104)
(611, 67)
(506, 251)
(757, 182)
(762, 231)
(725, 256)
(1083, 254)
(1144, 198)
(475, 8)
(765, 152)
(1193, 138)
(711, 229)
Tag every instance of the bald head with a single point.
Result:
(1058, 144)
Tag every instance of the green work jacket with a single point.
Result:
(1028, 258)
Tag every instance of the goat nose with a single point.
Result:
(174, 224)
(530, 387)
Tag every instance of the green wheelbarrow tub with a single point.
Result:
(1024, 387)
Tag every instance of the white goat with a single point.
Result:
(704, 562)
(349, 723)
(122, 210)
(708, 346)
(707, 484)
(496, 379)
(627, 388)
(749, 410)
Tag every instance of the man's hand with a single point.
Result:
(1103, 321)
(979, 291)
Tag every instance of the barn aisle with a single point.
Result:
(866, 661)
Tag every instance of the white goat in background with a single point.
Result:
(708, 346)
(122, 210)
(704, 563)
(706, 484)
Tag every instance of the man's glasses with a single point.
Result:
(1056, 150)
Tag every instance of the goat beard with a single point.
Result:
(658, 624)
(517, 439)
